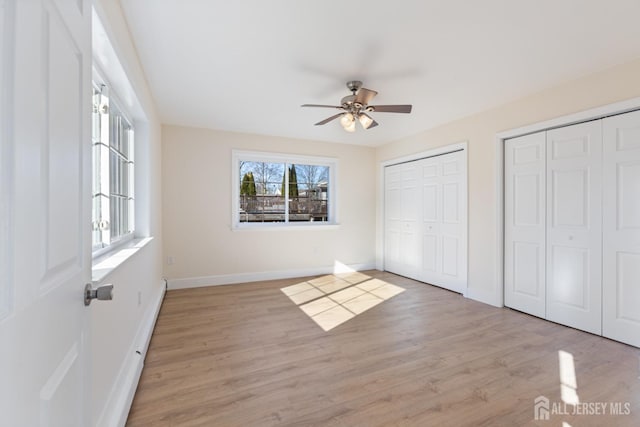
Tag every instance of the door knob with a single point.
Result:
(102, 293)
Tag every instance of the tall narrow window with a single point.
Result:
(113, 197)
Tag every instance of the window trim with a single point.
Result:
(260, 156)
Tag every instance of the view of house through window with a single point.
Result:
(283, 192)
(112, 151)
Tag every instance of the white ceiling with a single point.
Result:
(248, 65)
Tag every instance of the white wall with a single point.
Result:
(197, 212)
(611, 85)
(117, 326)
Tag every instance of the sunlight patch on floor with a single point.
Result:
(333, 299)
(568, 383)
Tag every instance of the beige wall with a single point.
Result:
(612, 85)
(196, 198)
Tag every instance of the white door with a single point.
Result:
(46, 65)
(425, 222)
(392, 217)
(402, 204)
(524, 223)
(444, 221)
(621, 228)
(574, 226)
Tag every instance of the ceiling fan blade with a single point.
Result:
(364, 96)
(320, 105)
(325, 121)
(391, 108)
(373, 124)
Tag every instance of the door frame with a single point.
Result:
(558, 122)
(438, 151)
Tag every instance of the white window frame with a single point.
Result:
(258, 156)
(97, 251)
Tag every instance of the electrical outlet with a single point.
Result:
(139, 298)
(170, 260)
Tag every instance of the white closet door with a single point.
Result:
(426, 220)
(402, 214)
(454, 221)
(524, 223)
(574, 226)
(392, 217)
(431, 220)
(444, 221)
(621, 233)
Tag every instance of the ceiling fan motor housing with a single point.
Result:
(347, 101)
(354, 85)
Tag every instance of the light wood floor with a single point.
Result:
(246, 355)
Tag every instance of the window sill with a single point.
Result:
(107, 263)
(280, 227)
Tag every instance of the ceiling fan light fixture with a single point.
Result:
(351, 127)
(365, 120)
(346, 120)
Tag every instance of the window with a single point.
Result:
(112, 145)
(272, 188)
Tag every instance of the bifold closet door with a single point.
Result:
(425, 207)
(574, 226)
(621, 234)
(402, 213)
(524, 223)
(444, 221)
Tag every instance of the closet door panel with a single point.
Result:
(570, 274)
(444, 221)
(430, 253)
(392, 218)
(431, 220)
(410, 243)
(621, 228)
(454, 221)
(574, 228)
(402, 220)
(525, 179)
(450, 255)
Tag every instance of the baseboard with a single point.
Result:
(121, 396)
(232, 279)
(487, 297)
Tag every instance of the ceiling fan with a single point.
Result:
(356, 106)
